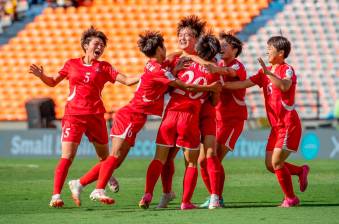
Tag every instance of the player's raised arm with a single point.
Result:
(283, 84)
(51, 81)
(128, 80)
(238, 84)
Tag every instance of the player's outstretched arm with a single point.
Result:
(214, 87)
(51, 81)
(282, 84)
(173, 55)
(238, 84)
(128, 80)
(214, 69)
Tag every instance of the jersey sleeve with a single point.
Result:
(111, 72)
(164, 77)
(258, 78)
(240, 71)
(64, 71)
(287, 72)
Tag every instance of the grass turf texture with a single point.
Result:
(251, 195)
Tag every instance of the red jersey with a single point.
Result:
(85, 84)
(232, 102)
(183, 100)
(149, 96)
(279, 105)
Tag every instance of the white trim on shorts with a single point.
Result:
(123, 135)
(227, 143)
(197, 148)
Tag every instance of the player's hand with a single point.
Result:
(216, 87)
(183, 63)
(211, 68)
(38, 71)
(262, 64)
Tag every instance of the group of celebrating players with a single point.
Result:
(204, 117)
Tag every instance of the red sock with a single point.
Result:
(294, 170)
(221, 180)
(204, 175)
(167, 176)
(213, 167)
(91, 176)
(106, 171)
(285, 181)
(190, 181)
(153, 173)
(60, 174)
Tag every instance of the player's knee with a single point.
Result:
(202, 162)
(277, 165)
(269, 167)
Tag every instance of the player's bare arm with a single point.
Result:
(238, 84)
(51, 81)
(128, 80)
(214, 87)
(282, 84)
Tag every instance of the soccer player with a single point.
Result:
(189, 30)
(231, 111)
(180, 125)
(279, 85)
(148, 100)
(84, 111)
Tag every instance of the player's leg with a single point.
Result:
(120, 149)
(92, 175)
(167, 136)
(73, 128)
(204, 175)
(213, 169)
(167, 174)
(190, 178)
(284, 177)
(153, 173)
(68, 153)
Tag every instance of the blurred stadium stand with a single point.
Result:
(54, 36)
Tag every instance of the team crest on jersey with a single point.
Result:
(235, 66)
(289, 72)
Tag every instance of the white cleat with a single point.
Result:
(99, 195)
(76, 188)
(56, 201)
(165, 199)
(214, 202)
(113, 184)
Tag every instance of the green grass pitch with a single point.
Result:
(251, 195)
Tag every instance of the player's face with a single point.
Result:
(162, 52)
(95, 48)
(272, 54)
(187, 40)
(228, 51)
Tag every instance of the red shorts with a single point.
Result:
(127, 124)
(93, 125)
(287, 138)
(228, 132)
(207, 120)
(179, 129)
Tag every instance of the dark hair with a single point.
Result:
(194, 23)
(91, 33)
(233, 41)
(281, 44)
(208, 46)
(149, 41)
